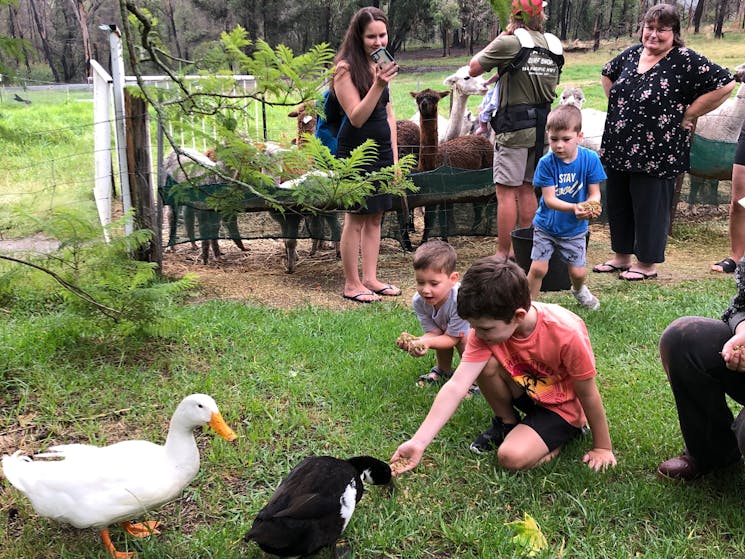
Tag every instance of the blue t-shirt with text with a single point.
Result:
(571, 181)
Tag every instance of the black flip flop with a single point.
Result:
(613, 269)
(727, 265)
(356, 297)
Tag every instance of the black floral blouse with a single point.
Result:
(642, 131)
(735, 313)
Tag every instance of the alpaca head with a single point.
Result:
(306, 121)
(427, 100)
(465, 84)
(572, 96)
(739, 73)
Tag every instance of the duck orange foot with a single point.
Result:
(141, 529)
(106, 538)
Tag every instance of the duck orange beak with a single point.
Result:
(221, 428)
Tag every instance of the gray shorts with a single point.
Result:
(513, 166)
(573, 251)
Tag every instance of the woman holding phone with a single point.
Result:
(361, 86)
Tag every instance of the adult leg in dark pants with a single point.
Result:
(690, 351)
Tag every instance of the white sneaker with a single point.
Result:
(586, 299)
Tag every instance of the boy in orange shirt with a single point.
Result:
(535, 356)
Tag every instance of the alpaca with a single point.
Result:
(306, 124)
(572, 96)
(462, 86)
(442, 125)
(593, 120)
(464, 152)
(306, 121)
(188, 166)
(723, 123)
(407, 134)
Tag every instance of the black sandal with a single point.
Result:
(434, 376)
(727, 266)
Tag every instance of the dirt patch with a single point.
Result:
(258, 275)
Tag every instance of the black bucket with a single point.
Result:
(557, 277)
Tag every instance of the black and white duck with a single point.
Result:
(312, 506)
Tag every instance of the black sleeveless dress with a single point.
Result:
(376, 127)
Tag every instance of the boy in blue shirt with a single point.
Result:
(569, 176)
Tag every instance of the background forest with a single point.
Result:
(52, 40)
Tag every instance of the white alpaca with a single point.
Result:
(593, 120)
(462, 86)
(723, 123)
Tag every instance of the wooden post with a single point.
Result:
(139, 166)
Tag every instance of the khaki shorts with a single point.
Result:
(511, 166)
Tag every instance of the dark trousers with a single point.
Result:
(639, 214)
(689, 348)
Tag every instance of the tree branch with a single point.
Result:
(75, 290)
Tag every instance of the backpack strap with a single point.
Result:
(511, 118)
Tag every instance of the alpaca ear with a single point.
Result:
(293, 114)
(413, 93)
(443, 94)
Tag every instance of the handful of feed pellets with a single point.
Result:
(592, 206)
(410, 343)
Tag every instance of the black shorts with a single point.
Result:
(550, 426)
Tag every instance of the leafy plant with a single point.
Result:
(93, 278)
(245, 169)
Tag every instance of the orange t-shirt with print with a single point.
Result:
(547, 362)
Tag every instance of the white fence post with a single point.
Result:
(117, 72)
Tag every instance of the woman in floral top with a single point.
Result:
(655, 90)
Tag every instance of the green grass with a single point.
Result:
(313, 381)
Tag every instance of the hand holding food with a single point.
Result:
(734, 356)
(404, 340)
(589, 209)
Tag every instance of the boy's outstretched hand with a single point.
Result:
(413, 345)
(406, 457)
(599, 459)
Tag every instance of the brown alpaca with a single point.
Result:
(407, 133)
(463, 152)
(306, 122)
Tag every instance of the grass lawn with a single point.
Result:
(317, 380)
(314, 381)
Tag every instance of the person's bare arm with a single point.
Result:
(706, 103)
(601, 456)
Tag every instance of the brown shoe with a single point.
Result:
(680, 468)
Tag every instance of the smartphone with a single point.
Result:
(382, 57)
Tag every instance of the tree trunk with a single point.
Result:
(138, 162)
(82, 17)
(697, 16)
(596, 30)
(721, 13)
(565, 10)
(171, 22)
(16, 32)
(44, 42)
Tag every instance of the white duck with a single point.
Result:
(89, 486)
